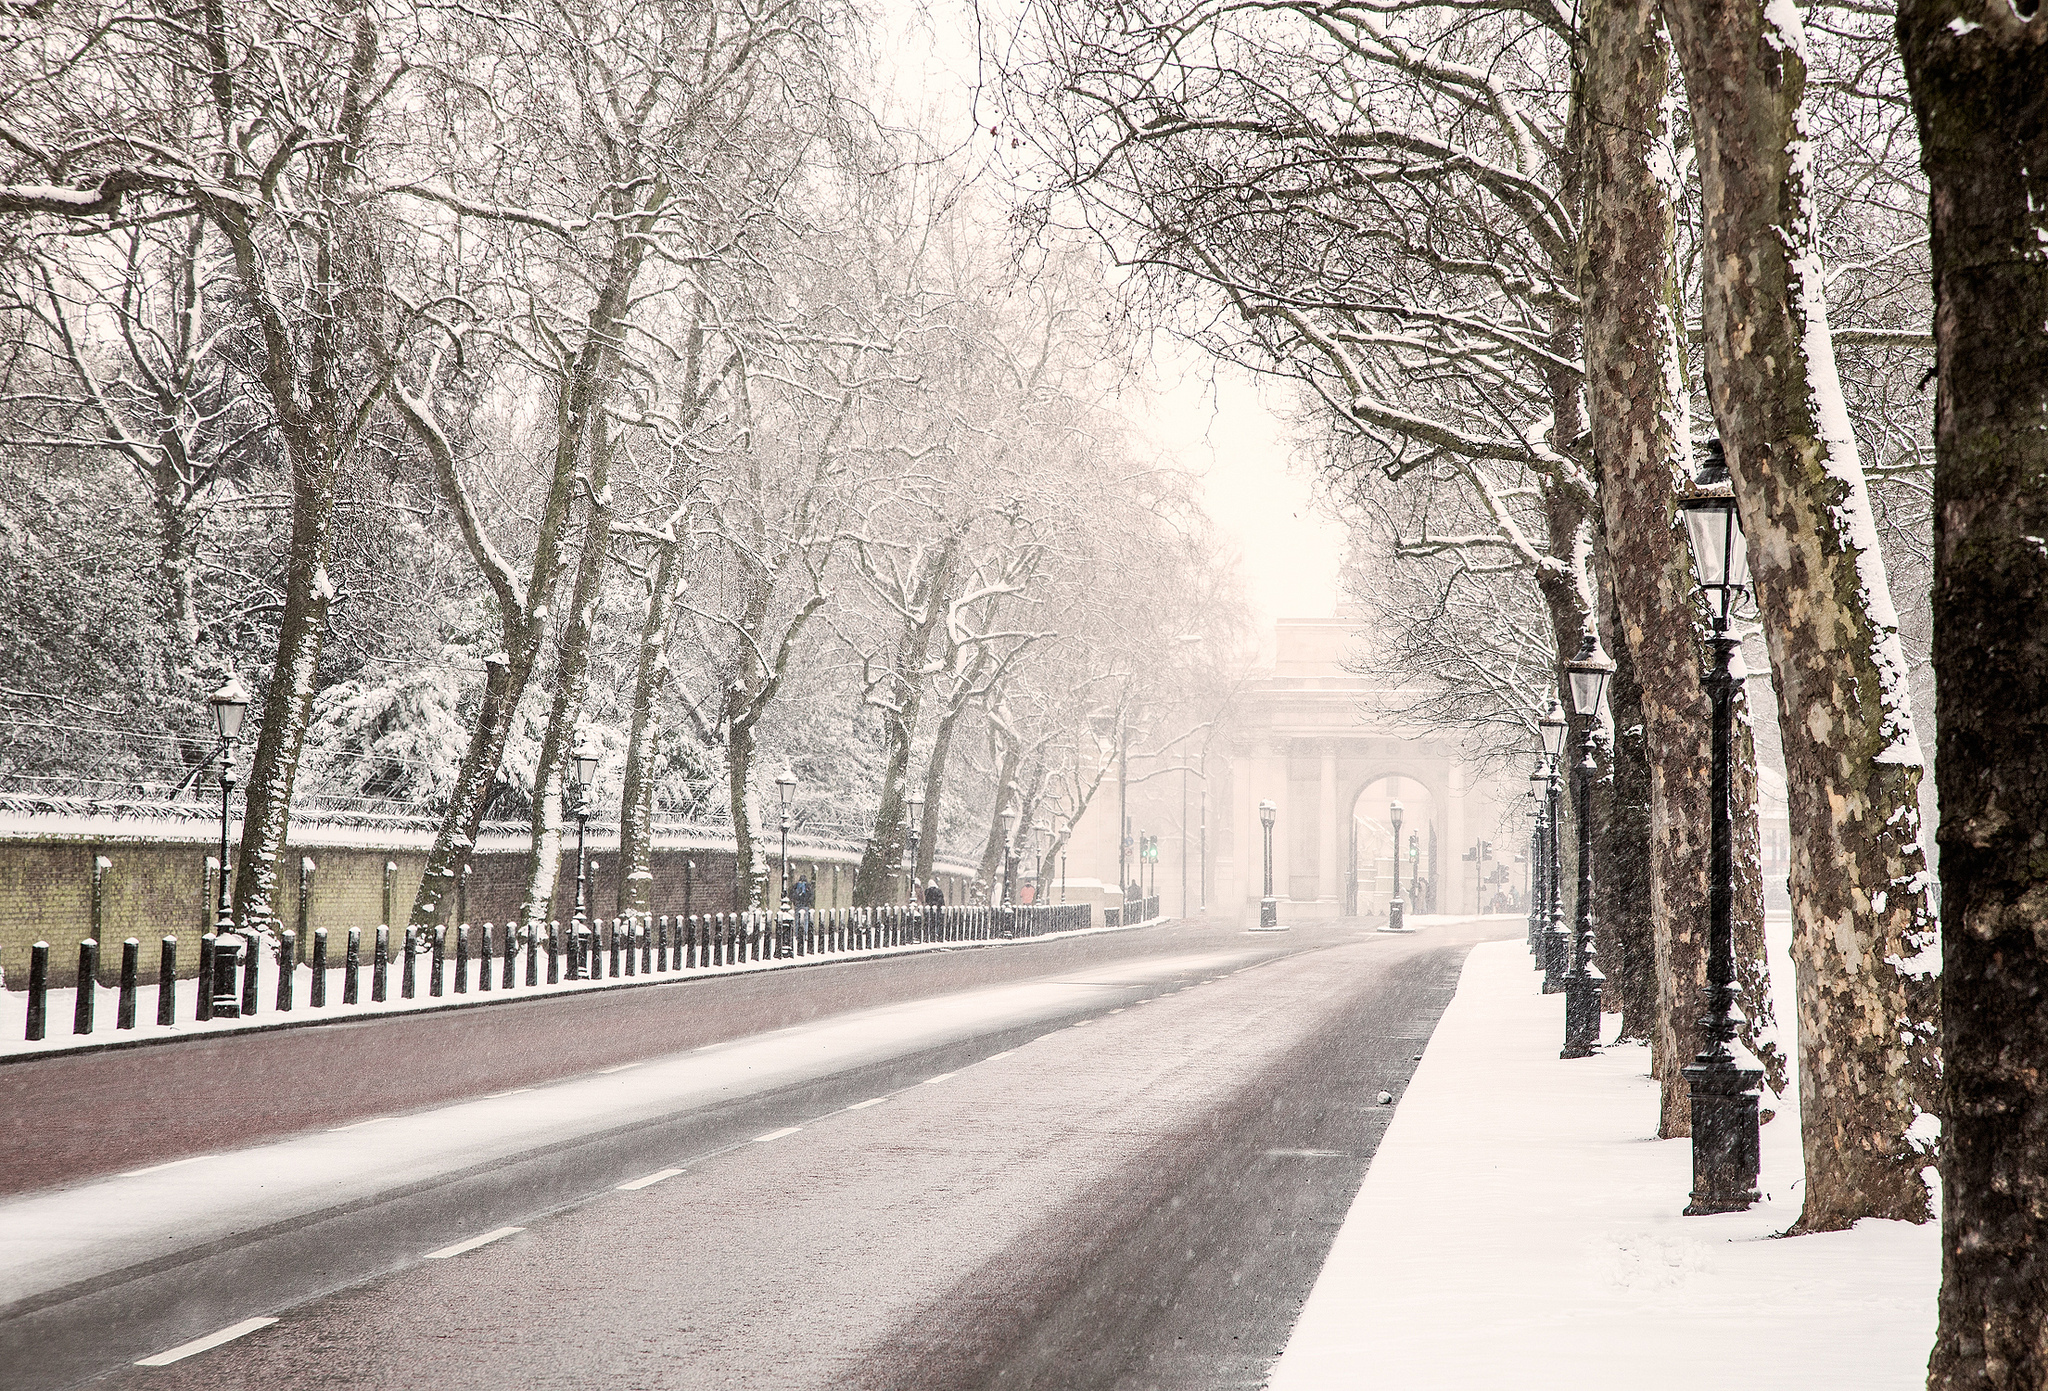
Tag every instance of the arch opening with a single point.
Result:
(1375, 855)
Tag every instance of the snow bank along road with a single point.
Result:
(1111, 1161)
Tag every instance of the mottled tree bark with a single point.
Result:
(1978, 73)
(1861, 917)
(1636, 392)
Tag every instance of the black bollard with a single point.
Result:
(202, 1004)
(533, 957)
(167, 983)
(511, 957)
(554, 952)
(227, 961)
(287, 973)
(380, 963)
(131, 964)
(613, 936)
(38, 990)
(318, 998)
(643, 932)
(88, 977)
(440, 947)
(408, 975)
(631, 938)
(483, 958)
(250, 941)
(661, 943)
(461, 960)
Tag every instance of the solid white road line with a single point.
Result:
(1004, 1054)
(461, 1246)
(360, 1124)
(649, 1181)
(777, 1134)
(211, 1340)
(620, 1068)
(514, 1092)
(944, 1076)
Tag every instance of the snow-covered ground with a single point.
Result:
(62, 1003)
(1519, 1227)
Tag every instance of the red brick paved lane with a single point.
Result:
(64, 1119)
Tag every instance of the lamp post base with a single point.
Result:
(1582, 1014)
(1725, 1140)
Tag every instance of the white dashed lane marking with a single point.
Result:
(211, 1340)
(777, 1134)
(461, 1246)
(648, 1180)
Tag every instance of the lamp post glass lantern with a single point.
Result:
(1588, 674)
(1725, 1139)
(1269, 907)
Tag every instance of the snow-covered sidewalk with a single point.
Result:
(1519, 1227)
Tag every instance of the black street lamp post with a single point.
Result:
(1725, 1140)
(1556, 942)
(914, 807)
(1009, 856)
(1397, 911)
(785, 792)
(1269, 907)
(1414, 871)
(1539, 917)
(585, 766)
(230, 707)
(1588, 672)
(1062, 827)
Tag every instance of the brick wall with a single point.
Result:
(155, 885)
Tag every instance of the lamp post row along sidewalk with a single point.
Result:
(1726, 1145)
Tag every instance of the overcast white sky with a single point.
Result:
(1216, 424)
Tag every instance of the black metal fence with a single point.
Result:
(460, 959)
(1134, 911)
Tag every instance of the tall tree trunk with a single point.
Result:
(1641, 450)
(987, 873)
(572, 678)
(1859, 877)
(934, 792)
(750, 876)
(884, 849)
(636, 804)
(312, 375)
(288, 700)
(1978, 72)
(1625, 902)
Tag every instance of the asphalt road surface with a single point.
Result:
(1107, 1162)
